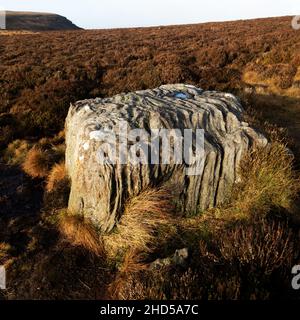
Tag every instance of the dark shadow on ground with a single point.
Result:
(20, 205)
(281, 111)
(19, 194)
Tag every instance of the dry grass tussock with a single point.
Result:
(80, 232)
(38, 162)
(268, 181)
(16, 152)
(130, 267)
(56, 176)
(4, 249)
(143, 215)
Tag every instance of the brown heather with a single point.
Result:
(261, 246)
(42, 73)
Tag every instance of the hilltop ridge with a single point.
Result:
(37, 21)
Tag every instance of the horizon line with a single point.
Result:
(154, 25)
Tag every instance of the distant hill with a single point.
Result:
(37, 21)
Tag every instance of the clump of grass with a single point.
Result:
(59, 138)
(130, 267)
(267, 181)
(132, 262)
(80, 232)
(16, 152)
(56, 177)
(4, 251)
(45, 143)
(43, 155)
(268, 178)
(142, 216)
(60, 151)
(38, 162)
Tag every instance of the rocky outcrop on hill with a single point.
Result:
(101, 182)
(37, 21)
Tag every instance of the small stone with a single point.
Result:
(178, 259)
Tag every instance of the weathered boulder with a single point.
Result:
(100, 187)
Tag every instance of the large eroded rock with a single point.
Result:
(99, 190)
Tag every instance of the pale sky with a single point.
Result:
(94, 14)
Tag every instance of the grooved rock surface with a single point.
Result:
(100, 190)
